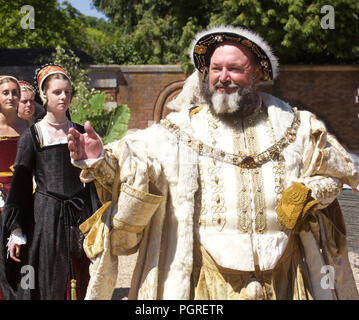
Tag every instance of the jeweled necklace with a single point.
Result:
(249, 161)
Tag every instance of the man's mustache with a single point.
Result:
(226, 85)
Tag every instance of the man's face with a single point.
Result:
(232, 77)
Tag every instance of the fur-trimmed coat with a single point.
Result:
(148, 183)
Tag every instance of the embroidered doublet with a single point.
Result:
(237, 205)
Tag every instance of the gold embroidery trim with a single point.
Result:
(244, 221)
(215, 172)
(203, 191)
(278, 171)
(141, 195)
(121, 225)
(260, 220)
(244, 204)
(8, 137)
(217, 199)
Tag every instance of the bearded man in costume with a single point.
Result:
(232, 196)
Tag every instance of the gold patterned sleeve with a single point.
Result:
(327, 165)
(126, 175)
(323, 189)
(134, 211)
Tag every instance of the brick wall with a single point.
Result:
(328, 91)
(141, 89)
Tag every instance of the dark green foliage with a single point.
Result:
(53, 25)
(161, 31)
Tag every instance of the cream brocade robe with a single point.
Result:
(152, 181)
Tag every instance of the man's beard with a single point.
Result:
(243, 100)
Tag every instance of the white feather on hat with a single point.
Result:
(190, 93)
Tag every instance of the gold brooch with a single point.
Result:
(246, 43)
(200, 49)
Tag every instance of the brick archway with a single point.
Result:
(167, 94)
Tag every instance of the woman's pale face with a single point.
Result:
(26, 105)
(9, 96)
(58, 95)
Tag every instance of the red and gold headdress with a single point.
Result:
(45, 71)
(25, 85)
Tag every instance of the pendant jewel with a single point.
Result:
(248, 162)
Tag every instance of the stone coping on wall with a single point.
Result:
(335, 68)
(137, 68)
(177, 68)
(111, 76)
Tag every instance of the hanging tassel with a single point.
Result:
(73, 290)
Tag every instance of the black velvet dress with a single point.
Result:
(47, 215)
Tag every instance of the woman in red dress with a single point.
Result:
(11, 127)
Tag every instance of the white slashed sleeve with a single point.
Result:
(327, 165)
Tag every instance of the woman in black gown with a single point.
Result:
(48, 212)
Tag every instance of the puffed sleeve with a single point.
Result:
(327, 165)
(126, 175)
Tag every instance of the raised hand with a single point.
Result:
(84, 146)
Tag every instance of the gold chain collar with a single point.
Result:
(248, 161)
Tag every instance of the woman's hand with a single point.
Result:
(14, 251)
